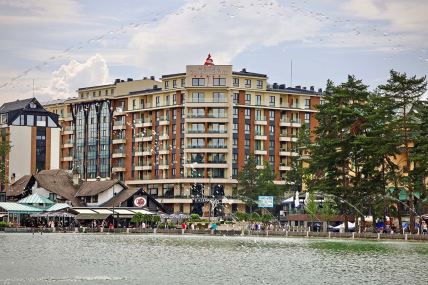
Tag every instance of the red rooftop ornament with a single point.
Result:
(209, 60)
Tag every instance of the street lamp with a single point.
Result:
(114, 194)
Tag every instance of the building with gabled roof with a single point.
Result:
(33, 134)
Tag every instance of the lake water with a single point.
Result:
(147, 259)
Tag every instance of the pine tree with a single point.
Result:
(247, 182)
(405, 92)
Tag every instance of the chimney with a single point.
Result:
(282, 86)
(244, 70)
(152, 77)
(76, 178)
(130, 79)
(304, 88)
(312, 88)
(298, 87)
(320, 90)
(117, 80)
(145, 78)
(275, 85)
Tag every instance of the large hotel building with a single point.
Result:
(185, 136)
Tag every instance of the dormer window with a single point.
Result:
(33, 106)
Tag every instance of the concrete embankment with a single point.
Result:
(284, 234)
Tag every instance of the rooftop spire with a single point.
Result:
(209, 60)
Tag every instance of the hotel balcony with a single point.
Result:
(164, 151)
(68, 144)
(207, 103)
(67, 158)
(118, 168)
(143, 166)
(207, 118)
(208, 164)
(260, 120)
(118, 140)
(209, 148)
(163, 166)
(118, 111)
(209, 133)
(142, 123)
(138, 152)
(164, 120)
(287, 138)
(260, 152)
(67, 118)
(68, 130)
(284, 168)
(147, 139)
(290, 123)
(163, 136)
(118, 154)
(147, 153)
(284, 152)
(260, 136)
(119, 126)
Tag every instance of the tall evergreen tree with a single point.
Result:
(247, 182)
(405, 92)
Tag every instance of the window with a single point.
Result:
(174, 99)
(259, 115)
(134, 104)
(236, 82)
(322, 102)
(234, 174)
(235, 158)
(218, 97)
(198, 81)
(236, 98)
(174, 83)
(247, 143)
(271, 144)
(259, 130)
(157, 101)
(307, 118)
(271, 159)
(258, 145)
(247, 99)
(183, 82)
(198, 97)
(198, 113)
(247, 128)
(235, 142)
(258, 100)
(247, 113)
(41, 121)
(248, 83)
(219, 81)
(307, 103)
(235, 128)
(30, 120)
(167, 100)
(106, 92)
(272, 101)
(166, 84)
(272, 129)
(271, 115)
(259, 84)
(174, 114)
(235, 112)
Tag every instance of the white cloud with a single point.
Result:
(68, 78)
(403, 16)
(224, 28)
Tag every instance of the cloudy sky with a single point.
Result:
(64, 45)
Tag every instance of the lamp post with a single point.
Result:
(114, 194)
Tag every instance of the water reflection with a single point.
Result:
(140, 259)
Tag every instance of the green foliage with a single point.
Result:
(137, 218)
(4, 151)
(329, 209)
(266, 218)
(4, 224)
(156, 219)
(247, 181)
(241, 216)
(311, 206)
(194, 218)
(254, 217)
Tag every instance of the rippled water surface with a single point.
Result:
(145, 259)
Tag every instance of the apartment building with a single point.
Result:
(184, 138)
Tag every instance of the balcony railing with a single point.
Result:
(260, 118)
(207, 101)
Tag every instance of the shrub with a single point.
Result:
(4, 225)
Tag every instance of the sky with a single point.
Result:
(51, 48)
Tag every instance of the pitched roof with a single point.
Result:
(91, 188)
(121, 197)
(18, 187)
(58, 182)
(15, 105)
(16, 208)
(35, 199)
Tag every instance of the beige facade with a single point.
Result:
(186, 135)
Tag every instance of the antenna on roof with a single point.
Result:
(291, 74)
(33, 87)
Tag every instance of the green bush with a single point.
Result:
(194, 218)
(241, 216)
(4, 225)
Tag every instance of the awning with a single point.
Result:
(57, 207)
(16, 208)
(103, 211)
(89, 214)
